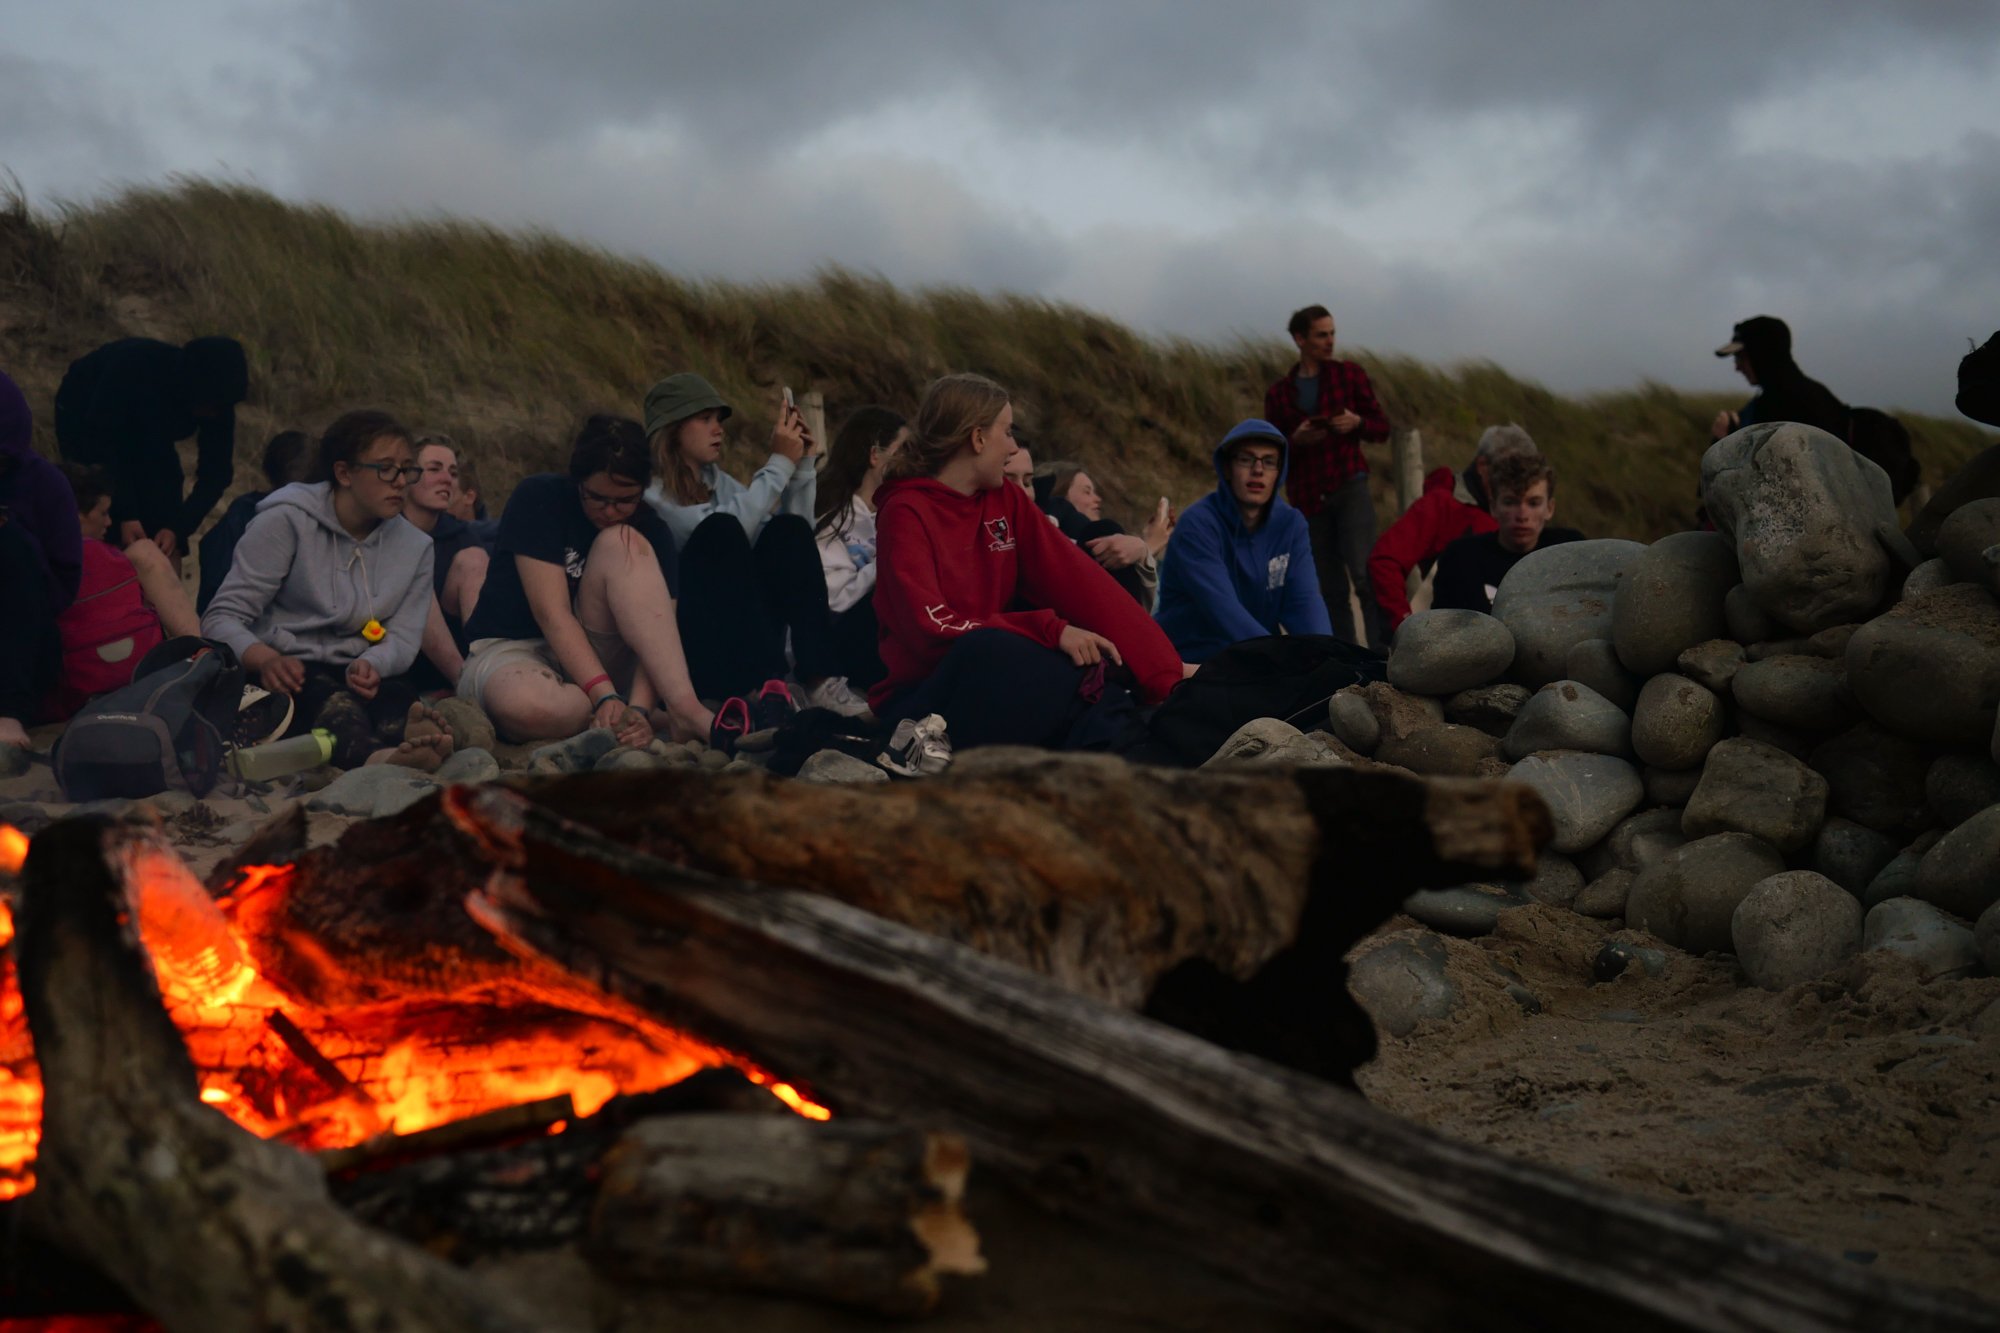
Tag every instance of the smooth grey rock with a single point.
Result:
(1689, 896)
(1897, 879)
(373, 791)
(1594, 663)
(1803, 693)
(470, 728)
(1351, 719)
(837, 768)
(1557, 597)
(1747, 621)
(1672, 599)
(1927, 577)
(1712, 664)
(1943, 945)
(1444, 651)
(1568, 716)
(1637, 842)
(1440, 750)
(1676, 723)
(711, 761)
(1929, 669)
(1797, 744)
(1750, 787)
(1587, 794)
(1670, 787)
(758, 742)
(1832, 643)
(1851, 854)
(1268, 742)
(739, 764)
(1876, 778)
(14, 759)
(1468, 909)
(1793, 927)
(468, 767)
(1557, 881)
(1961, 872)
(1986, 939)
(676, 754)
(626, 759)
(578, 754)
(1490, 708)
(1808, 517)
(1402, 982)
(1618, 955)
(1959, 786)
(1963, 539)
(1604, 897)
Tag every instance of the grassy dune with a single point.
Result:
(505, 340)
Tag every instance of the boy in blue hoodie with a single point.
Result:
(1240, 564)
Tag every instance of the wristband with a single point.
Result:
(599, 703)
(602, 678)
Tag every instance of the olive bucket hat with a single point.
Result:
(678, 397)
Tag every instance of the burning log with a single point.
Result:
(1295, 1186)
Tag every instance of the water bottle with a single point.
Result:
(261, 763)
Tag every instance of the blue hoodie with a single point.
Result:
(1222, 583)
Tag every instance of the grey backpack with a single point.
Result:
(168, 729)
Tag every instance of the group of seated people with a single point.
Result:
(916, 566)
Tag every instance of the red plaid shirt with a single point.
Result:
(1316, 471)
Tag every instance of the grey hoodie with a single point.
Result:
(299, 583)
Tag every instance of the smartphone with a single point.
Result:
(789, 404)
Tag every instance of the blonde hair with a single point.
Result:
(680, 479)
(952, 408)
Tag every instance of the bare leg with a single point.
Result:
(529, 703)
(622, 587)
(462, 585)
(12, 732)
(438, 645)
(160, 584)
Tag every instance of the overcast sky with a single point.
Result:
(1587, 195)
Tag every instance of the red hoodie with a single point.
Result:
(1442, 514)
(952, 563)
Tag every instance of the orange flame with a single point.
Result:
(13, 849)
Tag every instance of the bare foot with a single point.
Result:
(687, 722)
(13, 733)
(424, 753)
(423, 720)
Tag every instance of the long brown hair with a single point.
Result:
(953, 407)
(680, 479)
(847, 461)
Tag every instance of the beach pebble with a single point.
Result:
(1961, 871)
(1963, 539)
(1793, 927)
(1266, 741)
(373, 791)
(1851, 854)
(1440, 750)
(1797, 744)
(1587, 794)
(468, 766)
(1349, 718)
(1876, 778)
(1929, 669)
(1927, 577)
(626, 759)
(578, 754)
(1467, 909)
(1556, 882)
(1594, 662)
(1747, 621)
(470, 728)
(1637, 842)
(1672, 599)
(1941, 943)
(1491, 708)
(1556, 598)
(758, 742)
(1959, 786)
(838, 768)
(1604, 897)
(1568, 716)
(1445, 651)
(1402, 981)
(14, 759)
(1676, 722)
(1750, 787)
(676, 754)
(1809, 519)
(1986, 939)
(1897, 879)
(1670, 786)
(1618, 955)
(1712, 664)
(1689, 896)
(711, 761)
(1807, 694)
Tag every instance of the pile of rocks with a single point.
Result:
(1776, 740)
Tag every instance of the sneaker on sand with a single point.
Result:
(917, 748)
(835, 695)
(262, 716)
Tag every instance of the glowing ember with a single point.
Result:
(13, 849)
(323, 1078)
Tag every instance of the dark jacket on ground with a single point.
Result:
(38, 499)
(1470, 570)
(123, 407)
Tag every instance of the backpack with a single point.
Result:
(1286, 676)
(106, 632)
(168, 729)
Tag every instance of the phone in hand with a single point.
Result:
(790, 405)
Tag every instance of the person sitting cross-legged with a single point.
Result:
(1240, 565)
(576, 625)
(1524, 500)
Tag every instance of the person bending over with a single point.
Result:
(288, 457)
(328, 594)
(41, 563)
(1452, 506)
(959, 548)
(1070, 496)
(856, 464)
(576, 625)
(1241, 564)
(1524, 500)
(749, 567)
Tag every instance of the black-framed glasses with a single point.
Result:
(1256, 462)
(394, 473)
(599, 501)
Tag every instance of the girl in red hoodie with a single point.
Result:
(989, 615)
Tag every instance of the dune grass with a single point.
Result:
(505, 340)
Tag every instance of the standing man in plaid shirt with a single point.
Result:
(1326, 408)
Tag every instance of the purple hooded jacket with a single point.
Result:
(37, 496)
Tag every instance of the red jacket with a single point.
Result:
(950, 564)
(1445, 512)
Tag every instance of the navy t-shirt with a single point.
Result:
(544, 520)
(1470, 569)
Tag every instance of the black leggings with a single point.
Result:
(856, 644)
(32, 660)
(737, 601)
(996, 687)
(359, 726)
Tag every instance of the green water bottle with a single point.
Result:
(277, 759)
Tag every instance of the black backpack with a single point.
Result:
(1286, 676)
(168, 729)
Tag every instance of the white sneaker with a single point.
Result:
(835, 695)
(918, 748)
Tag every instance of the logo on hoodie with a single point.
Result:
(1274, 578)
(999, 535)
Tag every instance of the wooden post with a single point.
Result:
(1409, 447)
(812, 406)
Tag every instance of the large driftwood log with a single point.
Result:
(1224, 902)
(204, 1225)
(1296, 1186)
